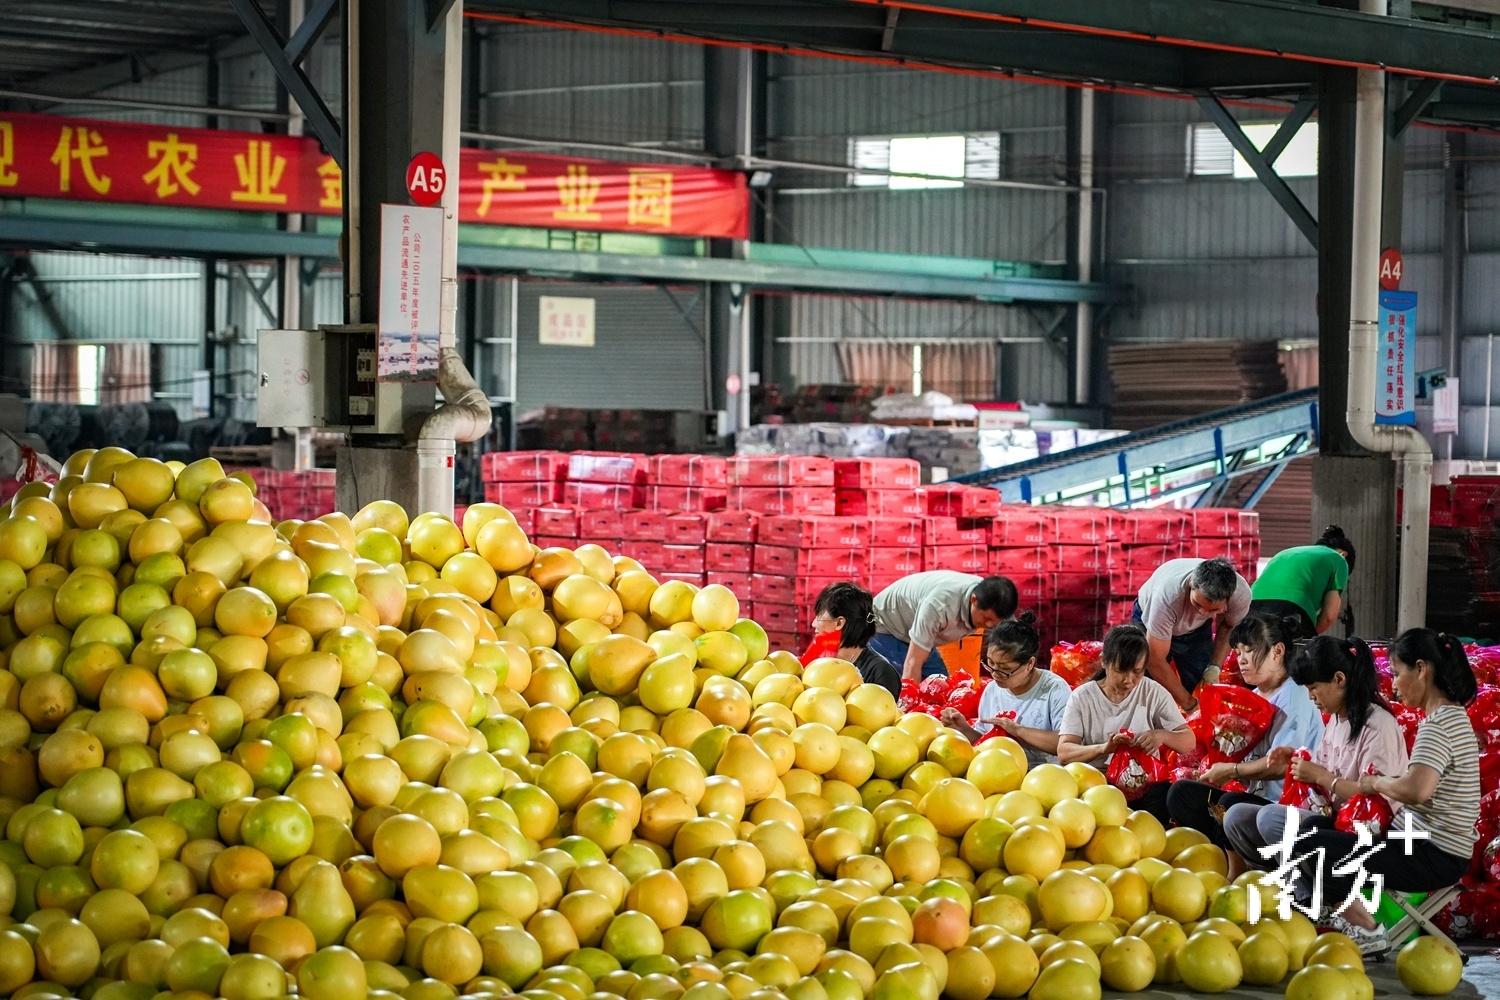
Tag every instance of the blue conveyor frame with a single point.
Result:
(1149, 465)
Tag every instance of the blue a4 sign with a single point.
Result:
(1395, 359)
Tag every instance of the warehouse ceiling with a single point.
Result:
(42, 39)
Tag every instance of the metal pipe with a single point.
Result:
(465, 412)
(835, 168)
(1405, 444)
(131, 104)
(1083, 331)
(606, 147)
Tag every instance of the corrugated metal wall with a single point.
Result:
(815, 106)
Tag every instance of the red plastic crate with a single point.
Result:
(521, 494)
(684, 529)
(648, 554)
(877, 473)
(782, 499)
(645, 525)
(959, 558)
(898, 562)
(526, 520)
(729, 557)
(779, 470)
(688, 470)
(784, 560)
(955, 531)
(879, 582)
(696, 579)
(601, 496)
(596, 524)
(677, 559)
(958, 500)
(731, 526)
(1078, 558)
(1249, 526)
(1019, 527)
(1079, 586)
(786, 618)
(621, 468)
(1032, 589)
(683, 498)
(1129, 581)
(895, 532)
(1147, 557)
(1146, 527)
(554, 542)
(515, 466)
(789, 641)
(802, 590)
(879, 503)
(552, 520)
(813, 531)
(1214, 548)
(1080, 525)
(1019, 562)
(1215, 522)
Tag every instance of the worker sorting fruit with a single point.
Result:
(918, 613)
(1188, 608)
(1307, 583)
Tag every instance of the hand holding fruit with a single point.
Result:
(1219, 774)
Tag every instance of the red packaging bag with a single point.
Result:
(1133, 770)
(1410, 720)
(1230, 721)
(964, 695)
(823, 644)
(1300, 794)
(1076, 662)
(1484, 714)
(877, 473)
(1371, 810)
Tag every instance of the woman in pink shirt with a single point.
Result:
(1360, 733)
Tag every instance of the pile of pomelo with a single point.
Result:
(371, 757)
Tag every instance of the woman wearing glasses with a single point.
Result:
(849, 611)
(1025, 701)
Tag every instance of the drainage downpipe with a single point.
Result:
(464, 415)
(1406, 445)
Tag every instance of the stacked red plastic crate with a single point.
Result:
(883, 491)
(300, 494)
(1141, 541)
(518, 479)
(605, 481)
(794, 558)
(685, 482)
(729, 553)
(780, 484)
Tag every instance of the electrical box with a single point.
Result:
(326, 378)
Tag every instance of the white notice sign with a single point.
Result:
(411, 275)
(1445, 408)
(565, 322)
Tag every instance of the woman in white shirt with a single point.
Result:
(1263, 642)
(1023, 700)
(1121, 697)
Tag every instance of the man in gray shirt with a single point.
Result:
(1189, 607)
(918, 613)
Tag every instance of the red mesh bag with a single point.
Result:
(1489, 770)
(1301, 794)
(1133, 770)
(1371, 810)
(1230, 721)
(823, 644)
(1076, 662)
(1486, 663)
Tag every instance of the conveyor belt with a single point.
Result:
(1255, 437)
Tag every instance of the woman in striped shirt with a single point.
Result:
(1438, 794)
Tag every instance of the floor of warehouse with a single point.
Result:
(1481, 982)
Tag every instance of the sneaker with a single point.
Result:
(1372, 944)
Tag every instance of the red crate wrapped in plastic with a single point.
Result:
(798, 590)
(648, 554)
(1214, 548)
(683, 498)
(1078, 586)
(1019, 562)
(643, 525)
(685, 529)
(781, 560)
(781, 499)
(1215, 522)
(620, 468)
(813, 532)
(1078, 559)
(682, 559)
(894, 562)
(601, 496)
(594, 524)
(555, 542)
(1133, 770)
(1230, 721)
(793, 618)
(779, 470)
(877, 473)
(974, 558)
(731, 526)
(520, 466)
(1076, 662)
(1146, 527)
(728, 557)
(958, 500)
(555, 520)
(687, 470)
(955, 531)
(1141, 557)
(522, 494)
(894, 532)
(1019, 527)
(1079, 525)
(879, 503)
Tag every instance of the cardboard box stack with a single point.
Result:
(776, 529)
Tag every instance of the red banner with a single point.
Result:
(43, 156)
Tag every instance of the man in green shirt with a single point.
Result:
(1306, 584)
